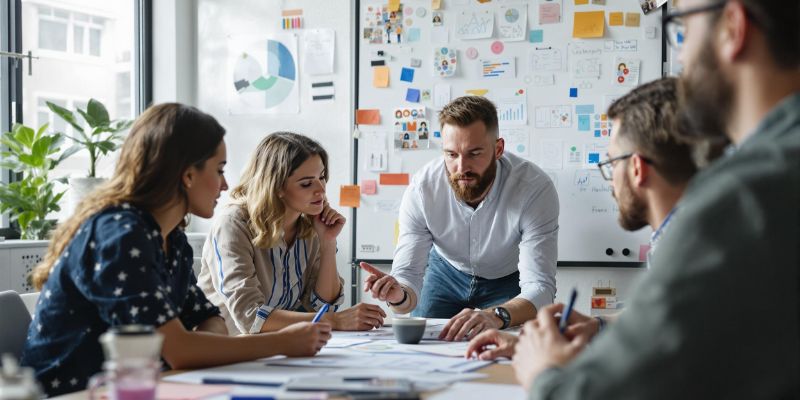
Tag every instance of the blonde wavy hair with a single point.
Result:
(163, 142)
(274, 160)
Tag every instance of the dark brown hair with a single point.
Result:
(779, 20)
(465, 110)
(650, 123)
(163, 142)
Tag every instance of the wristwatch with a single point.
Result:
(405, 297)
(504, 316)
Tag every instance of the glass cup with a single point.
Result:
(128, 379)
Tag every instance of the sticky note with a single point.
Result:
(597, 133)
(394, 179)
(536, 36)
(368, 117)
(369, 186)
(581, 2)
(594, 158)
(350, 196)
(412, 35)
(436, 4)
(415, 62)
(583, 123)
(407, 75)
(412, 95)
(573, 92)
(380, 77)
(616, 18)
(632, 19)
(584, 109)
(477, 92)
(643, 250)
(589, 24)
(394, 5)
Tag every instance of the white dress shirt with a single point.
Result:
(514, 228)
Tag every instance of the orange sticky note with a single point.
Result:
(368, 117)
(380, 76)
(394, 179)
(616, 18)
(369, 186)
(589, 24)
(394, 5)
(350, 196)
(581, 2)
(632, 19)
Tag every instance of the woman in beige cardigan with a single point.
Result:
(270, 259)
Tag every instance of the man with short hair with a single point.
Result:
(717, 316)
(480, 225)
(649, 164)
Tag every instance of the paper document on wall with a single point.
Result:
(319, 51)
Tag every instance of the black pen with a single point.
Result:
(228, 381)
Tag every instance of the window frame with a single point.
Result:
(11, 70)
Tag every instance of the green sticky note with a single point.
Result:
(536, 36)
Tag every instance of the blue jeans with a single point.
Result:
(446, 291)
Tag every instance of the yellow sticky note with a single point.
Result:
(632, 19)
(350, 196)
(380, 77)
(616, 18)
(436, 4)
(394, 5)
(581, 2)
(477, 92)
(396, 231)
(590, 24)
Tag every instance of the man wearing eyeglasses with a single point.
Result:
(649, 164)
(718, 314)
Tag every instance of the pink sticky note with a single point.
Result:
(369, 186)
(643, 250)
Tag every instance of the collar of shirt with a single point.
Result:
(789, 105)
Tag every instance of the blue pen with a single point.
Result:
(321, 311)
(562, 325)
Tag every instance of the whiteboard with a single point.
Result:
(541, 116)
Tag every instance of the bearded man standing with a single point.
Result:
(478, 232)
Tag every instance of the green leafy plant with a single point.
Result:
(32, 154)
(102, 135)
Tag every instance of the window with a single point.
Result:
(71, 31)
(87, 49)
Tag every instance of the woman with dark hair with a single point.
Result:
(123, 258)
(270, 259)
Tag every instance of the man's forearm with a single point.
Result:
(521, 310)
(408, 305)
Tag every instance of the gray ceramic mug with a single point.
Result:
(408, 330)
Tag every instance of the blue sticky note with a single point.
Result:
(536, 36)
(583, 123)
(437, 134)
(598, 125)
(597, 133)
(412, 35)
(584, 109)
(573, 92)
(407, 75)
(412, 95)
(594, 158)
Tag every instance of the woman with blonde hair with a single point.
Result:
(270, 259)
(123, 258)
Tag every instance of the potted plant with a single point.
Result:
(99, 136)
(31, 154)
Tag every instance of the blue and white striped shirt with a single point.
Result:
(248, 283)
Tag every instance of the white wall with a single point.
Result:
(190, 66)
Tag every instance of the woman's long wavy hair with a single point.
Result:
(163, 142)
(274, 160)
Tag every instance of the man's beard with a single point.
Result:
(632, 209)
(706, 97)
(471, 192)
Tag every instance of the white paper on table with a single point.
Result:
(342, 358)
(481, 391)
(251, 371)
(341, 342)
(318, 52)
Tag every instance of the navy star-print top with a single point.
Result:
(113, 272)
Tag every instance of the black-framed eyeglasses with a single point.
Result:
(673, 25)
(607, 167)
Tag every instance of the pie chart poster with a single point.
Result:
(262, 75)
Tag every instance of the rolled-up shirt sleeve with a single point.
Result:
(538, 248)
(414, 242)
